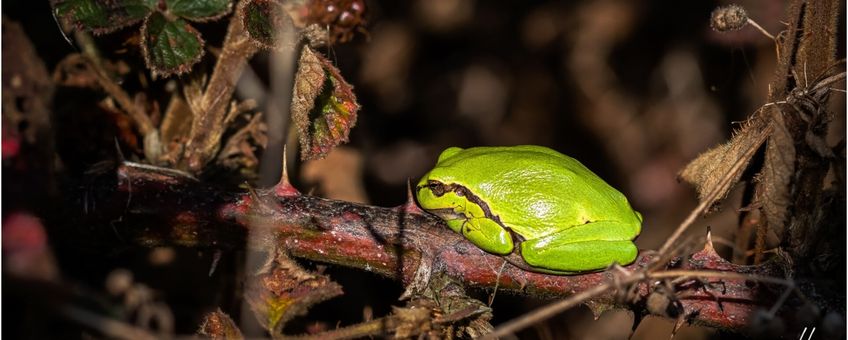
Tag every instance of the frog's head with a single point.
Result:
(440, 199)
(436, 193)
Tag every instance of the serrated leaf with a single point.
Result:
(773, 189)
(710, 170)
(283, 291)
(170, 47)
(323, 107)
(103, 16)
(199, 10)
(268, 24)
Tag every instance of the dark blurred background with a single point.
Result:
(633, 89)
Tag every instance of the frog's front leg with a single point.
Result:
(485, 233)
(586, 247)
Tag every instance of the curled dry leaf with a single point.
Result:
(456, 309)
(412, 321)
(772, 193)
(283, 290)
(219, 325)
(239, 150)
(709, 171)
(323, 105)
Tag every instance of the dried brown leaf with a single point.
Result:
(412, 321)
(238, 152)
(283, 290)
(775, 177)
(307, 85)
(175, 126)
(323, 105)
(708, 171)
(219, 325)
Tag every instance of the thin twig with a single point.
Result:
(361, 330)
(555, 308)
(675, 273)
(139, 117)
(761, 29)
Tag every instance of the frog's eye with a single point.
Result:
(437, 188)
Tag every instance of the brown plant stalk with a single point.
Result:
(210, 109)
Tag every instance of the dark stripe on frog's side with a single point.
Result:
(439, 189)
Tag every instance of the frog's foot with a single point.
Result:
(516, 260)
(584, 248)
(577, 257)
(420, 280)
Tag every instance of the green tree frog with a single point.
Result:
(559, 216)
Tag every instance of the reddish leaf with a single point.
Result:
(323, 107)
(219, 325)
(283, 290)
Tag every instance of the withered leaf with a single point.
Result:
(709, 173)
(773, 190)
(283, 290)
(323, 105)
(219, 325)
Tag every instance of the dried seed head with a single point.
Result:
(728, 18)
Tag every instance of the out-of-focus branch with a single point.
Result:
(210, 108)
(91, 58)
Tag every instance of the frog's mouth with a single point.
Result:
(448, 214)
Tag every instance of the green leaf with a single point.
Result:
(199, 10)
(170, 47)
(268, 24)
(323, 108)
(103, 16)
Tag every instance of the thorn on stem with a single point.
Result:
(284, 187)
(709, 244)
(410, 206)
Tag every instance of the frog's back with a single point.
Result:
(554, 187)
